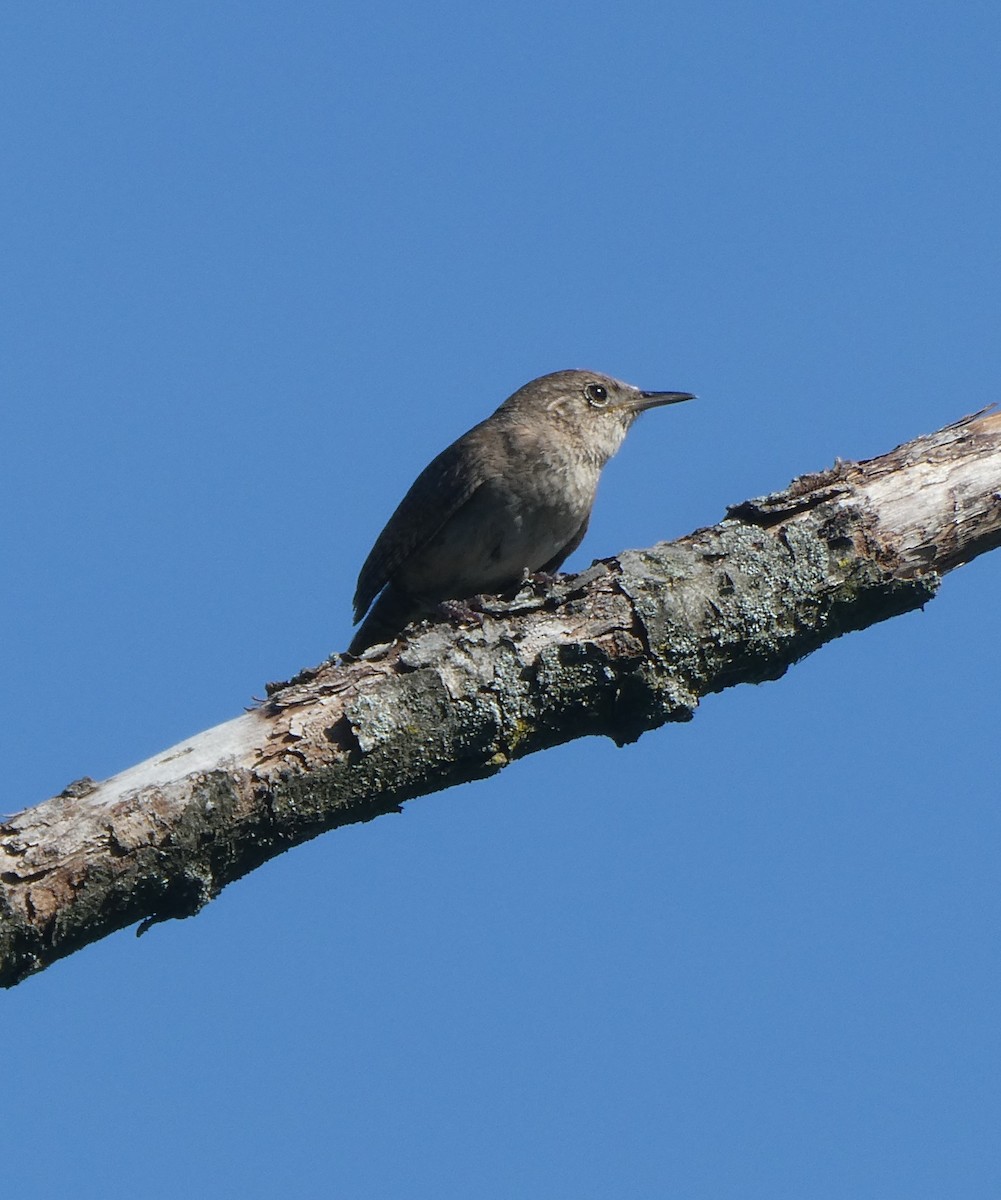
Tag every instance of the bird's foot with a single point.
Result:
(468, 611)
(540, 580)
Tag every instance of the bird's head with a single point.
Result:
(596, 408)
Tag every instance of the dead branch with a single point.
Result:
(626, 646)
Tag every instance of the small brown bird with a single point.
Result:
(511, 497)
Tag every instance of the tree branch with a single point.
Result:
(626, 646)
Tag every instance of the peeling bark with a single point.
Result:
(626, 646)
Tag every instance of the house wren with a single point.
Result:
(510, 497)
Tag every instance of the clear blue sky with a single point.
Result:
(260, 262)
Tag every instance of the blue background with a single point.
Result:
(261, 262)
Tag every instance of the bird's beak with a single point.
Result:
(645, 400)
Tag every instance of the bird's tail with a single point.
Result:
(392, 611)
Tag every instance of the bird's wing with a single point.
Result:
(557, 560)
(440, 490)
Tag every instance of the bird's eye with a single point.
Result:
(596, 394)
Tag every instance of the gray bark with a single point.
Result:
(626, 646)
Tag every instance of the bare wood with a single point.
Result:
(626, 646)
